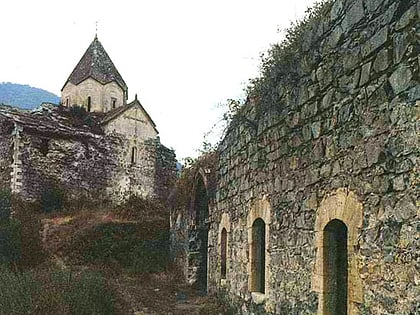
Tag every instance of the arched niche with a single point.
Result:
(258, 222)
(339, 213)
(223, 245)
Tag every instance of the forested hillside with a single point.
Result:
(25, 96)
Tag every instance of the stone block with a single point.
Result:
(398, 183)
(373, 5)
(406, 18)
(365, 73)
(372, 150)
(327, 99)
(381, 61)
(400, 46)
(336, 10)
(316, 129)
(354, 15)
(375, 42)
(401, 78)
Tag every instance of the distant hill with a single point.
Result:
(25, 96)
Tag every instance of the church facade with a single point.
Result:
(94, 145)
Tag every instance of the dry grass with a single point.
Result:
(106, 251)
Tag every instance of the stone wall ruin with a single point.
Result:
(327, 139)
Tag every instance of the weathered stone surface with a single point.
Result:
(406, 18)
(400, 78)
(373, 5)
(354, 135)
(364, 76)
(354, 15)
(51, 153)
(400, 46)
(375, 42)
(381, 61)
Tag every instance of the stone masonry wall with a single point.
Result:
(101, 95)
(82, 168)
(334, 137)
(6, 154)
(46, 150)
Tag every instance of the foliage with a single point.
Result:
(10, 241)
(78, 112)
(79, 117)
(53, 292)
(137, 208)
(135, 238)
(17, 292)
(27, 214)
(25, 96)
(130, 246)
(88, 294)
(186, 183)
(280, 63)
(52, 199)
(5, 203)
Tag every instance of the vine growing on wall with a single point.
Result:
(280, 63)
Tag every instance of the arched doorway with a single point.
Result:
(201, 212)
(335, 268)
(258, 256)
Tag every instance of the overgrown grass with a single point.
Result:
(17, 292)
(54, 292)
(10, 241)
(130, 246)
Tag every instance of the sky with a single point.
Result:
(182, 58)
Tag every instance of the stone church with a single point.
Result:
(94, 145)
(310, 204)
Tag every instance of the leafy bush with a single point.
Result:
(10, 241)
(88, 294)
(5, 204)
(52, 198)
(54, 292)
(17, 292)
(27, 214)
(138, 209)
(131, 246)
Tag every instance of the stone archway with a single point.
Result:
(338, 222)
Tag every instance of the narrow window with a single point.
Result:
(258, 256)
(89, 105)
(114, 102)
(67, 102)
(223, 253)
(133, 155)
(335, 268)
(43, 148)
(87, 150)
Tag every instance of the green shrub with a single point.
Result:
(52, 198)
(131, 246)
(5, 204)
(32, 252)
(17, 292)
(88, 294)
(10, 241)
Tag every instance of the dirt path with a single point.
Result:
(156, 294)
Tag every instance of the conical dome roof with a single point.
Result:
(96, 64)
